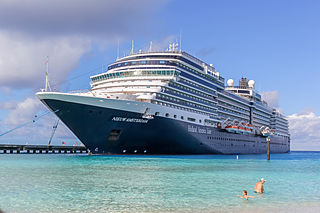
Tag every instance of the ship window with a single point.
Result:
(191, 119)
(182, 118)
(157, 113)
(167, 114)
(162, 62)
(175, 116)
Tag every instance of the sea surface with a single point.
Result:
(206, 183)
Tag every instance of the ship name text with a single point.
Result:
(130, 120)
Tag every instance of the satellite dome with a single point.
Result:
(230, 83)
(251, 83)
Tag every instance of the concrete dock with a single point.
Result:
(41, 149)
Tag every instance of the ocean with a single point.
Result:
(205, 183)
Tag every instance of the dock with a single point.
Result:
(41, 149)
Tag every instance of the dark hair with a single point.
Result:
(245, 191)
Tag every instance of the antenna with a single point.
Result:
(118, 50)
(47, 63)
(180, 41)
(132, 46)
(150, 48)
(47, 78)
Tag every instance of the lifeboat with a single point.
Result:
(232, 128)
(242, 129)
(250, 126)
(246, 128)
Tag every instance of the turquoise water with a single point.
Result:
(75, 183)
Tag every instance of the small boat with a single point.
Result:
(232, 128)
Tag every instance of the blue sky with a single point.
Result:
(276, 43)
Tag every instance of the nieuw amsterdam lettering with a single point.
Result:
(130, 120)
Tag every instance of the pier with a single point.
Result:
(41, 149)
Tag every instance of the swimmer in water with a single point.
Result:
(245, 195)
(259, 186)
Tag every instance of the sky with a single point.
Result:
(276, 43)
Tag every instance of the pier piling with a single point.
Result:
(268, 148)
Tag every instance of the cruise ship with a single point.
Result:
(169, 102)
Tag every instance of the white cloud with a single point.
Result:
(23, 112)
(107, 18)
(38, 131)
(22, 59)
(271, 97)
(304, 130)
(63, 30)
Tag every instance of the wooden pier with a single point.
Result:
(41, 149)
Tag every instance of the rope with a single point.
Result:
(53, 131)
(22, 125)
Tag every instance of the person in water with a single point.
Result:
(259, 186)
(245, 195)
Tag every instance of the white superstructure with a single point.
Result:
(177, 80)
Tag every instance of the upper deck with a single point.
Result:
(164, 59)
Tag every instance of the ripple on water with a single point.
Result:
(68, 183)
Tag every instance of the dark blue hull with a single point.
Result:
(109, 131)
